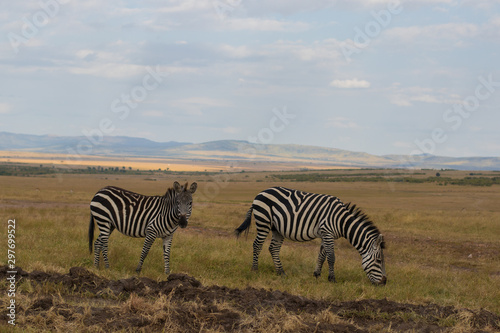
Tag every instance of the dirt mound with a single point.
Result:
(87, 302)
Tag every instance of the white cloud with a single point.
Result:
(195, 105)
(438, 34)
(108, 70)
(407, 95)
(350, 84)
(116, 62)
(5, 108)
(259, 24)
(325, 50)
(231, 130)
(236, 51)
(290, 7)
(400, 100)
(341, 122)
(481, 4)
(183, 6)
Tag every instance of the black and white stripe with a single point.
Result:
(138, 215)
(301, 216)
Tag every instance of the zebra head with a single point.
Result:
(184, 202)
(373, 261)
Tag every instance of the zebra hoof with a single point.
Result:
(316, 274)
(255, 268)
(281, 273)
(331, 278)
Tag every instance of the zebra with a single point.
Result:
(138, 215)
(302, 216)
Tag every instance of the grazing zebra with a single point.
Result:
(301, 216)
(138, 215)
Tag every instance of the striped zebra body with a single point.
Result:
(302, 216)
(137, 215)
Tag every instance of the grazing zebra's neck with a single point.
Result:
(358, 229)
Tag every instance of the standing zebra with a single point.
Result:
(301, 216)
(138, 215)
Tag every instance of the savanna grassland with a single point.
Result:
(442, 257)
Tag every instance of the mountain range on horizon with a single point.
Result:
(234, 150)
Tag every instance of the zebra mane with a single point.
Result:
(357, 213)
(171, 190)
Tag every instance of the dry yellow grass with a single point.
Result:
(443, 244)
(83, 161)
(206, 163)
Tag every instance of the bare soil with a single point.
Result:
(93, 303)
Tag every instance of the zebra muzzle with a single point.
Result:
(183, 221)
(382, 282)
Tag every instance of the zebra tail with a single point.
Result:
(245, 226)
(91, 233)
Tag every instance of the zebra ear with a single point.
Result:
(193, 188)
(177, 187)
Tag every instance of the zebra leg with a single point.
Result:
(104, 249)
(257, 248)
(262, 232)
(97, 251)
(275, 248)
(330, 256)
(150, 239)
(321, 260)
(167, 243)
(104, 236)
(101, 244)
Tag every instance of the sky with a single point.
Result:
(376, 76)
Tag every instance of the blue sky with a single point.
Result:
(383, 77)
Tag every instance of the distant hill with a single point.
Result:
(113, 145)
(234, 150)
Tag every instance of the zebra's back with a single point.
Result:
(127, 211)
(295, 214)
